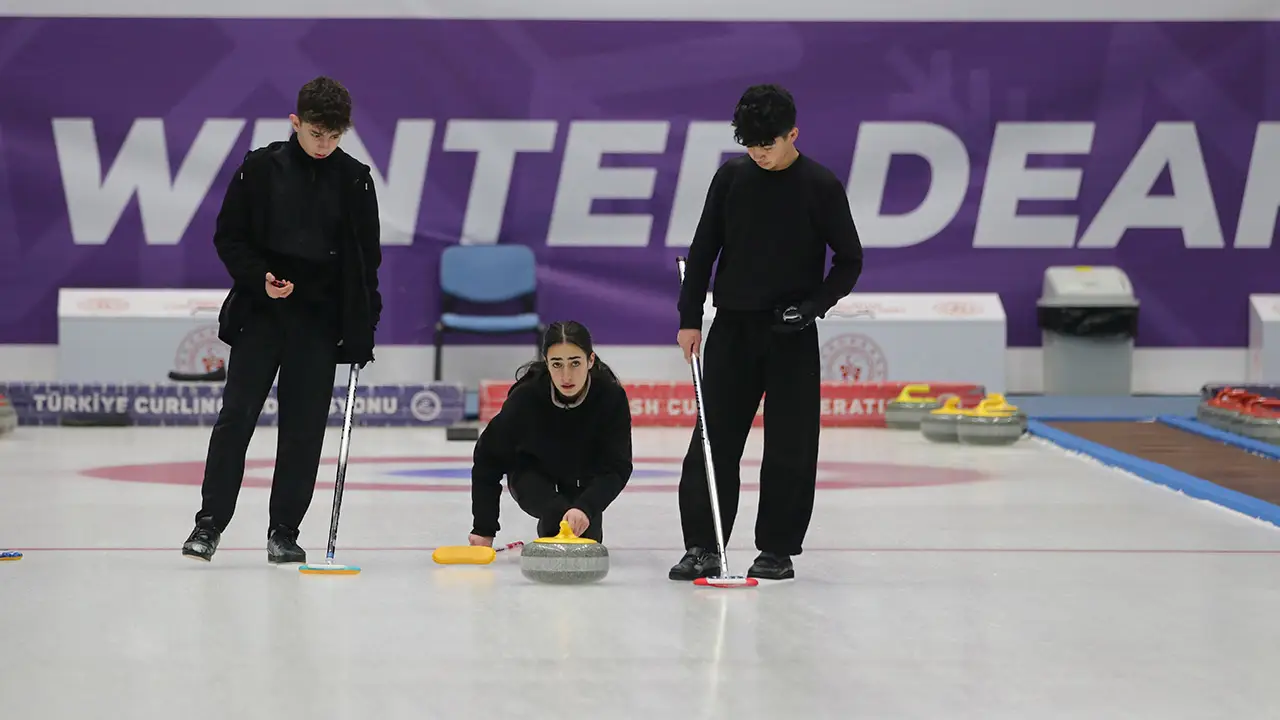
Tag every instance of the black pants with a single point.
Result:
(544, 499)
(299, 341)
(743, 359)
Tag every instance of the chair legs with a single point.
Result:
(439, 346)
(439, 342)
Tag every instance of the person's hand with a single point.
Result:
(278, 289)
(480, 540)
(578, 521)
(690, 340)
(794, 318)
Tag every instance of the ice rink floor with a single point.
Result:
(938, 582)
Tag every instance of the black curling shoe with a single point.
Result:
(282, 547)
(696, 563)
(203, 541)
(772, 566)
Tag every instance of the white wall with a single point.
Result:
(1157, 372)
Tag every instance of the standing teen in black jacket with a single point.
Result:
(769, 218)
(299, 234)
(562, 438)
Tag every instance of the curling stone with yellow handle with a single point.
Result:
(993, 422)
(907, 410)
(940, 425)
(565, 559)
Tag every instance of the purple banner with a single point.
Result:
(976, 154)
(436, 405)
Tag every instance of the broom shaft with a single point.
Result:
(343, 450)
(712, 489)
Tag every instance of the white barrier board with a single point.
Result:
(911, 337)
(1264, 339)
(137, 336)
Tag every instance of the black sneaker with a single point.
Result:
(696, 563)
(282, 547)
(772, 566)
(203, 542)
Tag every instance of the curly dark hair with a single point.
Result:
(764, 113)
(325, 103)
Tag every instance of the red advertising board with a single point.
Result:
(672, 404)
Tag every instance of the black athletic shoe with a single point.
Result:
(696, 563)
(282, 547)
(203, 542)
(772, 566)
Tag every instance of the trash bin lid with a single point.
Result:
(1086, 285)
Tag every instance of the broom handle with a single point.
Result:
(343, 449)
(706, 450)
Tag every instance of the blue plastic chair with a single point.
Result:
(487, 275)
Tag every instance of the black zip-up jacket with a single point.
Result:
(241, 239)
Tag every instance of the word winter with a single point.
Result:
(169, 200)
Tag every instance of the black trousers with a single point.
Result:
(743, 359)
(300, 342)
(548, 501)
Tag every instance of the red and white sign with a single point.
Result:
(672, 404)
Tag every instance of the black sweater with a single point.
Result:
(771, 230)
(590, 442)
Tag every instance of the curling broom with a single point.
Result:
(725, 580)
(10, 556)
(470, 554)
(330, 567)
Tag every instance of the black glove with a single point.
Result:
(794, 318)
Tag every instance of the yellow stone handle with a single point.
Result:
(994, 404)
(566, 536)
(908, 393)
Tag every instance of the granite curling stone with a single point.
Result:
(907, 410)
(993, 422)
(565, 559)
(940, 425)
(1223, 410)
(8, 416)
(1261, 421)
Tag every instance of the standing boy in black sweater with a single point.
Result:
(300, 236)
(769, 218)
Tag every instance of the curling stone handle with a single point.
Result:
(915, 391)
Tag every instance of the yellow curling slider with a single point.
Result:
(566, 536)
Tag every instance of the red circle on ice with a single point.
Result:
(832, 475)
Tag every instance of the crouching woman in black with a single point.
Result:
(562, 439)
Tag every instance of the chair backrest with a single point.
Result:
(488, 273)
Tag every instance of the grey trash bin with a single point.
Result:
(1088, 319)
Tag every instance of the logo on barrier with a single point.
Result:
(854, 358)
(849, 307)
(105, 304)
(426, 406)
(201, 351)
(958, 308)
